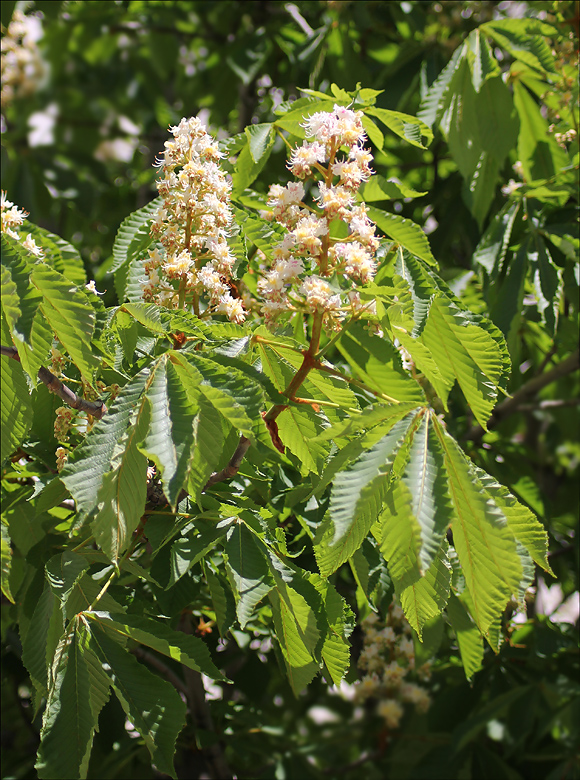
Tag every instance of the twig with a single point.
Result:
(95, 408)
(527, 391)
(232, 468)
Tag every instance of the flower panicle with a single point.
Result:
(388, 663)
(310, 270)
(192, 261)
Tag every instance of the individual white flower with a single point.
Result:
(511, 187)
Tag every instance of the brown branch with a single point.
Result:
(525, 393)
(232, 468)
(95, 408)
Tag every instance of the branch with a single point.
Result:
(95, 408)
(520, 398)
(232, 468)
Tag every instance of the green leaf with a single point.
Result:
(524, 40)
(152, 705)
(547, 281)
(521, 521)
(356, 500)
(438, 95)
(260, 139)
(69, 314)
(247, 569)
(297, 633)
(404, 232)
(122, 494)
(63, 572)
(335, 650)
(58, 253)
(68, 718)
(246, 170)
(191, 651)
(15, 407)
(83, 473)
(191, 548)
(537, 150)
(237, 397)
(425, 599)
(468, 636)
(378, 188)
(209, 435)
(170, 438)
(410, 128)
(6, 562)
(484, 544)
(484, 65)
(466, 352)
(39, 643)
(358, 490)
(425, 478)
(378, 364)
(132, 233)
(222, 600)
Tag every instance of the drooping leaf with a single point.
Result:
(466, 352)
(152, 705)
(68, 718)
(486, 548)
(16, 409)
(425, 599)
(468, 636)
(247, 569)
(297, 633)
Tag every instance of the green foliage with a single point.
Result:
(272, 487)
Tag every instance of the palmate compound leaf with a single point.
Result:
(356, 498)
(152, 705)
(75, 698)
(483, 540)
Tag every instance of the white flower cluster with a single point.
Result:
(192, 226)
(22, 66)
(388, 660)
(13, 218)
(307, 247)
